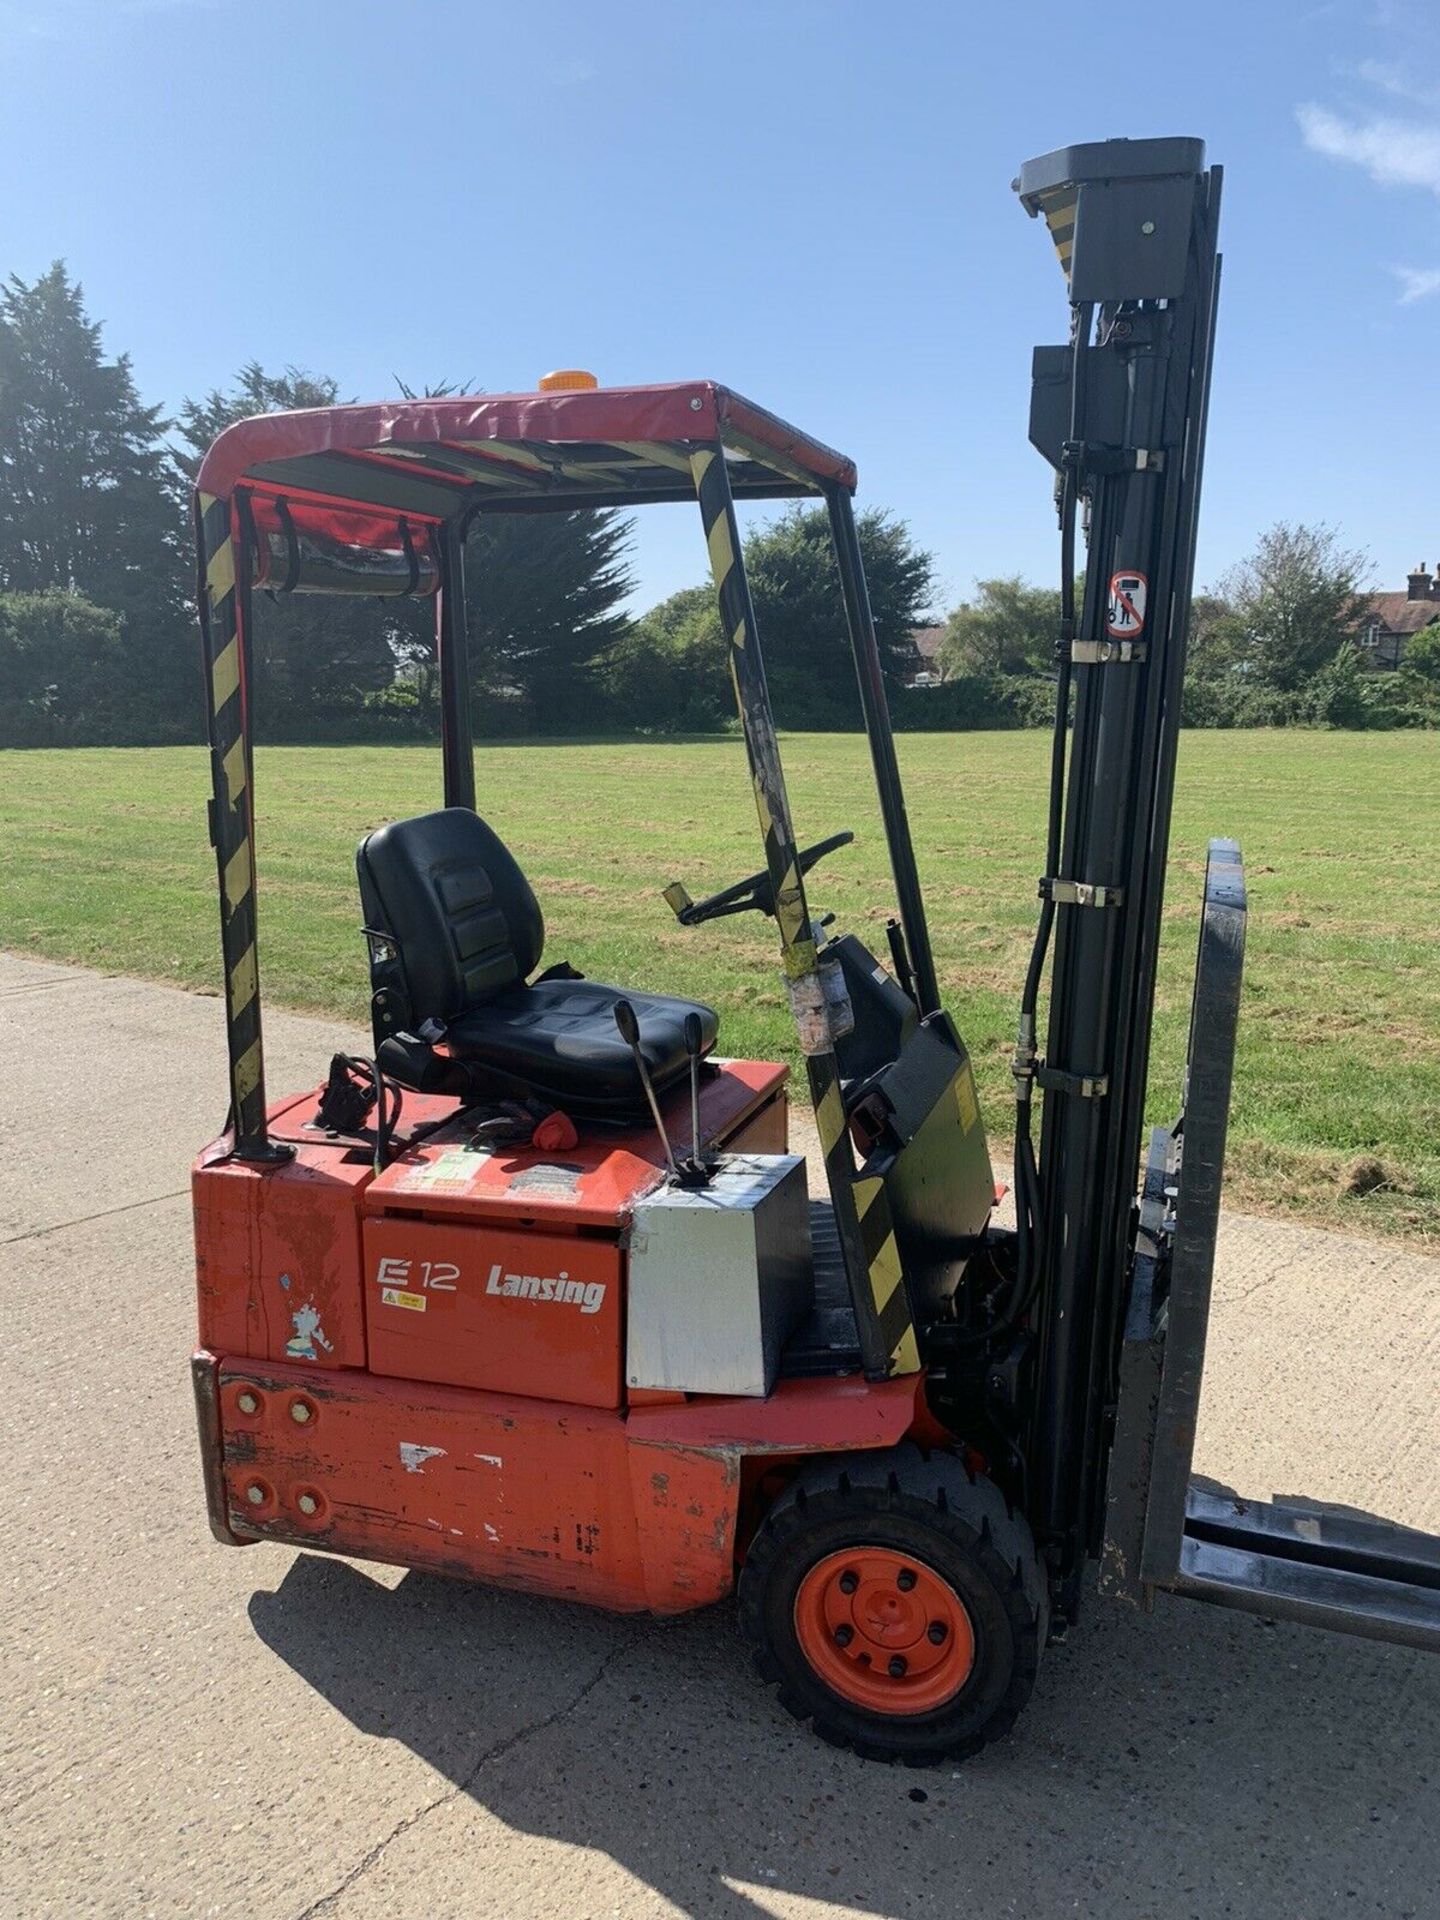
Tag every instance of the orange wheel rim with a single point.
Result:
(884, 1631)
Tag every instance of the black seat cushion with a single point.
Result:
(559, 1039)
(467, 930)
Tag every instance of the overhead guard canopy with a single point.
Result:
(433, 460)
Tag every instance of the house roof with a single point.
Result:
(926, 641)
(1398, 613)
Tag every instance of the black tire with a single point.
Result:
(957, 1524)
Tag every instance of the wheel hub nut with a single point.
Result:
(844, 1635)
(849, 1582)
(936, 1632)
(898, 1666)
(905, 1579)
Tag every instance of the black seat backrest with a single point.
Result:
(458, 907)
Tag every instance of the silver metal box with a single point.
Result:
(720, 1277)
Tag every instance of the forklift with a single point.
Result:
(536, 1294)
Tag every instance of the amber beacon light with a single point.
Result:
(567, 380)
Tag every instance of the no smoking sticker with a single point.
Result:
(1125, 609)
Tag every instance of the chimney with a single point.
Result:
(1418, 585)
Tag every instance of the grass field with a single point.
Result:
(103, 860)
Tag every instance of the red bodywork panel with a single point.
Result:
(534, 1313)
(427, 1367)
(278, 1249)
(634, 1514)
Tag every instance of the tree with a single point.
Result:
(314, 657)
(671, 669)
(544, 600)
(1295, 602)
(1339, 694)
(60, 661)
(1008, 627)
(1422, 656)
(667, 672)
(795, 584)
(88, 502)
(254, 391)
(545, 596)
(1411, 697)
(1216, 637)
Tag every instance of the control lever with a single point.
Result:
(630, 1033)
(694, 1043)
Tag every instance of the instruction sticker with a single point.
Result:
(398, 1297)
(1125, 607)
(451, 1171)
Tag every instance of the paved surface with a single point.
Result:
(190, 1731)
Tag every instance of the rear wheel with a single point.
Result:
(896, 1602)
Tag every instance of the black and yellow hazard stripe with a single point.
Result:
(887, 1280)
(747, 673)
(877, 1291)
(1058, 209)
(222, 625)
(883, 1276)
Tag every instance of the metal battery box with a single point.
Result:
(720, 1277)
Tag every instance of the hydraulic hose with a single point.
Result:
(1028, 1273)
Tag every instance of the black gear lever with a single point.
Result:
(629, 1027)
(694, 1170)
(694, 1042)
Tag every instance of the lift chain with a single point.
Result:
(1080, 893)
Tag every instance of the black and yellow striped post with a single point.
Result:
(867, 1241)
(223, 594)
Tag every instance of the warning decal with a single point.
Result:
(1125, 609)
(451, 1171)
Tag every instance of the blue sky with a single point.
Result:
(808, 201)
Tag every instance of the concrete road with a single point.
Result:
(193, 1731)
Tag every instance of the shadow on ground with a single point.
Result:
(1185, 1763)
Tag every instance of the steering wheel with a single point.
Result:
(751, 895)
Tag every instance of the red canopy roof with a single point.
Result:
(608, 446)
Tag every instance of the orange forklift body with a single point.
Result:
(427, 1367)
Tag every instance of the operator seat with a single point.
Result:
(455, 932)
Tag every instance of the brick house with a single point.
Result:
(1387, 620)
(924, 668)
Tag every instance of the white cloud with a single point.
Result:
(1395, 153)
(1416, 283)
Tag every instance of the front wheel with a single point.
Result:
(896, 1602)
